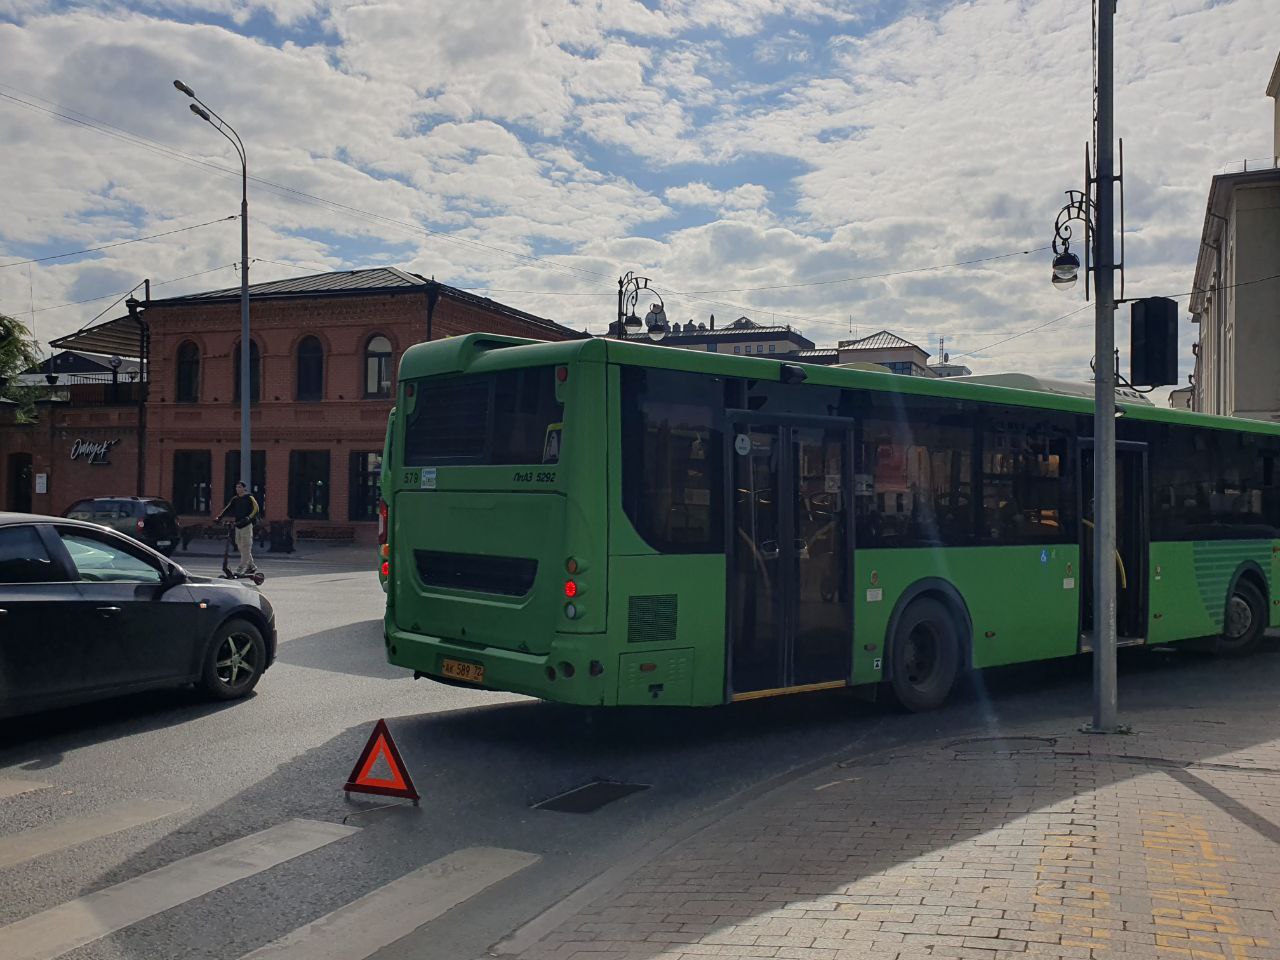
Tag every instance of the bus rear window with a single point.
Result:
(512, 417)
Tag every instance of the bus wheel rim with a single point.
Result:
(921, 658)
(1239, 617)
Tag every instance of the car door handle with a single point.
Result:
(109, 611)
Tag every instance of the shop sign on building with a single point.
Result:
(93, 451)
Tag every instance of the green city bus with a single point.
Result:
(604, 522)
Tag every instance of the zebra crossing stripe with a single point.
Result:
(395, 910)
(29, 844)
(59, 929)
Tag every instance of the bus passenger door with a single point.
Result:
(790, 616)
(1132, 543)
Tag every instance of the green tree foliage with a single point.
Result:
(17, 355)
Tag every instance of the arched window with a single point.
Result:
(377, 367)
(188, 386)
(310, 369)
(255, 373)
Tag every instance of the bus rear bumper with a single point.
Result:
(559, 675)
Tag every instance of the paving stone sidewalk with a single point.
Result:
(1044, 842)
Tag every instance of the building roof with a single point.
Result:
(753, 332)
(1273, 87)
(74, 361)
(123, 335)
(884, 340)
(316, 284)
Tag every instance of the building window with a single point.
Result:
(309, 484)
(255, 373)
(773, 347)
(737, 349)
(192, 481)
(711, 348)
(310, 369)
(188, 386)
(760, 348)
(377, 367)
(257, 475)
(363, 480)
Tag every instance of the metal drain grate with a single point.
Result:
(590, 797)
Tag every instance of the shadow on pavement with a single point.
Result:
(479, 770)
(355, 649)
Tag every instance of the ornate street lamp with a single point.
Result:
(655, 322)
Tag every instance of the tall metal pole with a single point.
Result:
(1104, 421)
(246, 457)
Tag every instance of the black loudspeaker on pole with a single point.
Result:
(1153, 342)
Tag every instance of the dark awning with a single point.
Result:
(121, 337)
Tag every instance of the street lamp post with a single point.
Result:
(210, 116)
(1098, 215)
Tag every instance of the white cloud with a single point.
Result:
(715, 145)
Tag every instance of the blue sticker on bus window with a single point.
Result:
(1044, 556)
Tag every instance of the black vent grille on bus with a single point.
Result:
(509, 576)
(449, 421)
(651, 619)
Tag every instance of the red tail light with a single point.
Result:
(570, 588)
(386, 568)
(383, 519)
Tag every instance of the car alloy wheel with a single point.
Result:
(237, 665)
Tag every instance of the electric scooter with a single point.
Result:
(257, 576)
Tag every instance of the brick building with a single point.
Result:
(324, 355)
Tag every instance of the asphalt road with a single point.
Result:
(480, 760)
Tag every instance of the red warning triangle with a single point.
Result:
(381, 747)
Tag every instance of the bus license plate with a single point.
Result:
(461, 670)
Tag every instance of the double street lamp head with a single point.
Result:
(1066, 266)
(178, 84)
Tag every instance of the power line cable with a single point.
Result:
(1175, 296)
(117, 243)
(121, 296)
(872, 276)
(118, 133)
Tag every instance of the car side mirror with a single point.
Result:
(171, 576)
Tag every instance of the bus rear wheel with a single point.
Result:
(1245, 621)
(924, 656)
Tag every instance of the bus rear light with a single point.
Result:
(562, 374)
(386, 568)
(571, 611)
(384, 516)
(570, 589)
(386, 551)
(571, 565)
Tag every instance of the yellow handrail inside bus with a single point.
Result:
(1124, 580)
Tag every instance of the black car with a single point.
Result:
(88, 613)
(148, 520)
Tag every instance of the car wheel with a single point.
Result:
(1245, 620)
(236, 658)
(924, 656)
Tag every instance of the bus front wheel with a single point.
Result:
(1245, 621)
(924, 655)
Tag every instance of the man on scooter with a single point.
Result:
(243, 508)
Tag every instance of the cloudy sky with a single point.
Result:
(752, 157)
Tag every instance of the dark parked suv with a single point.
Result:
(148, 520)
